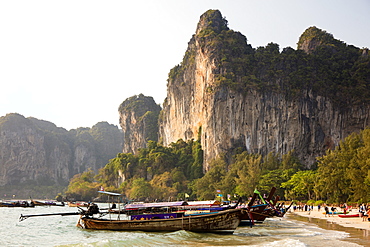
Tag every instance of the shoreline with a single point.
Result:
(355, 222)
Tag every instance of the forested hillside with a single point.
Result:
(172, 173)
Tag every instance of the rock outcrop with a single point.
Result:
(261, 121)
(139, 122)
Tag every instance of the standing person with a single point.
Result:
(326, 211)
(318, 207)
(361, 210)
(333, 210)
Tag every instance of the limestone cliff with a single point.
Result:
(38, 151)
(216, 90)
(139, 122)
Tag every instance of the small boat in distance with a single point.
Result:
(47, 203)
(78, 204)
(23, 204)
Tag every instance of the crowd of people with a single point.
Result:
(331, 210)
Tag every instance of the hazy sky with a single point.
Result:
(74, 62)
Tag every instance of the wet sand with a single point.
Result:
(356, 235)
(356, 222)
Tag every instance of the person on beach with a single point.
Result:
(367, 214)
(326, 211)
(333, 210)
(362, 211)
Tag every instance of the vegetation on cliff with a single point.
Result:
(343, 174)
(321, 64)
(155, 172)
(163, 173)
(145, 112)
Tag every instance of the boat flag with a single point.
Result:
(228, 197)
(259, 194)
(101, 188)
(218, 191)
(186, 195)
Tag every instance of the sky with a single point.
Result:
(73, 62)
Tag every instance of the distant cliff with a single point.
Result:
(265, 100)
(38, 151)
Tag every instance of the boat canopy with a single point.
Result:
(204, 203)
(109, 193)
(156, 205)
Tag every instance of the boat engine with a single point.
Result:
(92, 209)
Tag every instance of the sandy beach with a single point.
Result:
(355, 222)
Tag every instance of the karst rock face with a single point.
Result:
(28, 154)
(38, 151)
(224, 118)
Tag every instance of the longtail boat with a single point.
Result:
(257, 213)
(224, 222)
(23, 204)
(47, 203)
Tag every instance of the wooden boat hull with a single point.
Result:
(224, 222)
(255, 215)
(22, 204)
(47, 203)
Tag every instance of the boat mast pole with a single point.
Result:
(119, 208)
(110, 213)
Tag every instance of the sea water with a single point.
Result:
(62, 231)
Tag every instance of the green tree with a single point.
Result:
(205, 187)
(141, 189)
(301, 185)
(248, 170)
(275, 178)
(342, 172)
(162, 187)
(83, 186)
